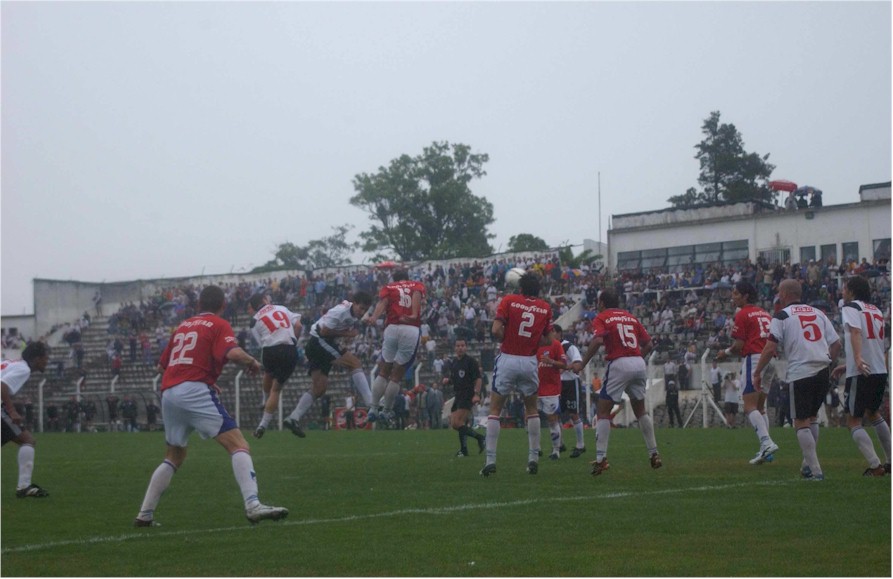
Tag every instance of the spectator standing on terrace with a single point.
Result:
(129, 411)
(276, 329)
(866, 372)
(750, 331)
(625, 341)
(324, 350)
(670, 371)
(200, 347)
(522, 325)
(401, 300)
(810, 344)
(672, 389)
(730, 399)
(716, 382)
(13, 375)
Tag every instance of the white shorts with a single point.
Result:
(548, 404)
(625, 375)
(519, 373)
(400, 344)
(748, 365)
(193, 406)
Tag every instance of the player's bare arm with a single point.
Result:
(645, 348)
(380, 308)
(326, 332)
(594, 345)
(734, 350)
(240, 356)
(497, 330)
(768, 353)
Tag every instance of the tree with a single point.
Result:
(422, 207)
(728, 172)
(568, 259)
(330, 251)
(526, 242)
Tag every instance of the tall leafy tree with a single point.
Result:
(526, 242)
(728, 172)
(329, 251)
(422, 207)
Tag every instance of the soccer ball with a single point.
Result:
(513, 276)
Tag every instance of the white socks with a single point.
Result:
(159, 482)
(647, 427)
(865, 446)
(26, 465)
(578, 430)
(555, 435)
(808, 446)
(379, 385)
(265, 421)
(492, 438)
(602, 434)
(303, 406)
(361, 383)
(882, 429)
(759, 425)
(533, 438)
(390, 395)
(243, 468)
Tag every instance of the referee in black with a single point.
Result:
(465, 376)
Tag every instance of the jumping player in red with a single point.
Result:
(522, 324)
(625, 341)
(750, 331)
(191, 363)
(552, 360)
(402, 300)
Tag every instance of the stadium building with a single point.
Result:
(677, 239)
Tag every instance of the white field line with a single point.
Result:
(157, 534)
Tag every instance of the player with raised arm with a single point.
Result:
(626, 342)
(551, 361)
(192, 363)
(572, 399)
(323, 350)
(276, 329)
(810, 344)
(750, 331)
(866, 371)
(13, 375)
(522, 324)
(402, 301)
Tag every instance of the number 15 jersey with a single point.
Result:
(525, 320)
(622, 333)
(197, 351)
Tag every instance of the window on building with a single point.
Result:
(829, 251)
(679, 258)
(850, 250)
(807, 253)
(881, 248)
(652, 258)
(708, 252)
(773, 256)
(734, 251)
(628, 260)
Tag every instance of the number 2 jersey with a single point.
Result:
(274, 325)
(399, 296)
(805, 334)
(525, 320)
(869, 320)
(622, 333)
(197, 351)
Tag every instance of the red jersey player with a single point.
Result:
(522, 324)
(750, 331)
(625, 341)
(552, 360)
(401, 300)
(191, 363)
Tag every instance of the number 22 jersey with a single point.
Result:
(197, 351)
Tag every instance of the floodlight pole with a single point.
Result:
(705, 398)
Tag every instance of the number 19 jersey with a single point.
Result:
(197, 351)
(525, 319)
(621, 332)
(274, 325)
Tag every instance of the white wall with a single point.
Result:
(860, 222)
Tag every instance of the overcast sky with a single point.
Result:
(143, 140)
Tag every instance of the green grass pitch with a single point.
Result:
(401, 504)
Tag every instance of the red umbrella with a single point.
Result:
(386, 265)
(782, 185)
